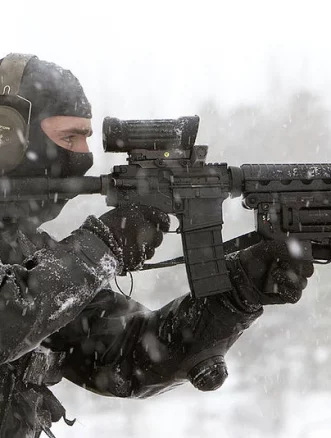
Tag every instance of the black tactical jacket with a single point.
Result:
(59, 319)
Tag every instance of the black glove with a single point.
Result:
(138, 229)
(277, 276)
(199, 332)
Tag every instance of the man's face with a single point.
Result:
(68, 132)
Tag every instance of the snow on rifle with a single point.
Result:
(291, 202)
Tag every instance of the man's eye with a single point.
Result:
(68, 139)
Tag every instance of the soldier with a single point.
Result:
(59, 318)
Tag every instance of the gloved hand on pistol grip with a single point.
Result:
(278, 276)
(138, 229)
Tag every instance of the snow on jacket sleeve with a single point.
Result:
(52, 287)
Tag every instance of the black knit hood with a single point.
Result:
(53, 91)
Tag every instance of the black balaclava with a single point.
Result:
(52, 91)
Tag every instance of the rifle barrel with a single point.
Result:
(44, 188)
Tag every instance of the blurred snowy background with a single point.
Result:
(259, 75)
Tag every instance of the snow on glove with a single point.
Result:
(138, 230)
(277, 276)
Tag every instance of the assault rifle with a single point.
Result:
(167, 170)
